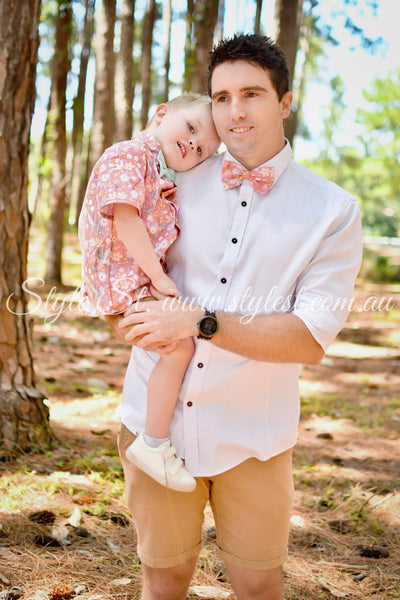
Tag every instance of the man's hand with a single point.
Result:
(113, 321)
(159, 325)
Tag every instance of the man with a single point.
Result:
(265, 277)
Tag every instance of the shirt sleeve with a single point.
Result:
(325, 290)
(121, 177)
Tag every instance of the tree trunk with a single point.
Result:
(61, 65)
(219, 28)
(124, 81)
(23, 416)
(145, 68)
(167, 19)
(103, 113)
(257, 20)
(41, 166)
(287, 20)
(205, 20)
(189, 51)
(79, 106)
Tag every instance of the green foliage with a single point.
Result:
(373, 177)
(379, 268)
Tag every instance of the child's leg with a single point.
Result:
(163, 389)
(153, 452)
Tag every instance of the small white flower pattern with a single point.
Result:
(126, 173)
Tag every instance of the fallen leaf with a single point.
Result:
(76, 517)
(208, 592)
(336, 593)
(122, 581)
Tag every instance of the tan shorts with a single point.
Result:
(251, 504)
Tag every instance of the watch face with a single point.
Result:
(208, 326)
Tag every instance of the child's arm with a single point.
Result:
(133, 234)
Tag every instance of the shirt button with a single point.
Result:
(200, 365)
(244, 203)
(223, 279)
(234, 240)
(189, 404)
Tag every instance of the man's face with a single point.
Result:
(187, 134)
(247, 113)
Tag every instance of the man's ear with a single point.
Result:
(161, 111)
(285, 104)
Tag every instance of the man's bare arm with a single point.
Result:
(270, 338)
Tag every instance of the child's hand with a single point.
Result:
(166, 286)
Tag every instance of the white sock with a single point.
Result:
(154, 442)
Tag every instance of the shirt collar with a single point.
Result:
(150, 141)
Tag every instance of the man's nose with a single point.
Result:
(237, 110)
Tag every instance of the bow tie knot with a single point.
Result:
(233, 175)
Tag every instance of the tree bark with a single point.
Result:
(287, 20)
(23, 416)
(124, 81)
(61, 65)
(189, 51)
(257, 20)
(79, 106)
(103, 113)
(205, 20)
(145, 68)
(167, 19)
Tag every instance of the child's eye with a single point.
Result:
(199, 151)
(190, 127)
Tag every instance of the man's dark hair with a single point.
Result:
(257, 49)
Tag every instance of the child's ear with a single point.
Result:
(161, 111)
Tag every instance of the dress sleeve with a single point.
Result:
(325, 289)
(121, 177)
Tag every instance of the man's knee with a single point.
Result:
(167, 584)
(251, 584)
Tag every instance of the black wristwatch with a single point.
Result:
(207, 325)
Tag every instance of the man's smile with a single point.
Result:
(240, 129)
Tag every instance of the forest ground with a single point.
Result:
(65, 531)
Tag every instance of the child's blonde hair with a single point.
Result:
(188, 98)
(185, 99)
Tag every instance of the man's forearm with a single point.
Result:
(270, 338)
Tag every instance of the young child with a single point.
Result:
(128, 221)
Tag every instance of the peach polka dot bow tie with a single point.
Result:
(233, 175)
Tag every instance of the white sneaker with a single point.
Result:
(161, 464)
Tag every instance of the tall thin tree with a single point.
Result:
(287, 21)
(145, 67)
(189, 50)
(124, 79)
(257, 20)
(23, 416)
(78, 107)
(61, 66)
(205, 21)
(167, 20)
(103, 112)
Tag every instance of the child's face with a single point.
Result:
(187, 134)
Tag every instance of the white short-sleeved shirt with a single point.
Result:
(297, 249)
